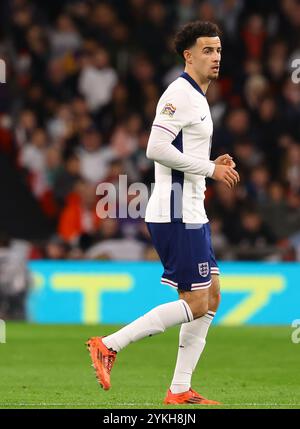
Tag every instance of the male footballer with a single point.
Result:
(180, 145)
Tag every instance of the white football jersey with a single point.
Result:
(183, 113)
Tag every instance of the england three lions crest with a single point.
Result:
(203, 269)
(168, 109)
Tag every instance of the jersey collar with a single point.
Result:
(186, 76)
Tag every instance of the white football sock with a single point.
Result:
(192, 339)
(153, 322)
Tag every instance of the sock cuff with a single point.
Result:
(187, 309)
(210, 314)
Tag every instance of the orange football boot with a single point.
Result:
(189, 397)
(102, 360)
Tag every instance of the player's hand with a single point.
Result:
(226, 174)
(225, 160)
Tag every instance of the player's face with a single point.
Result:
(205, 57)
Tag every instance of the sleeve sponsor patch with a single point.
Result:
(168, 109)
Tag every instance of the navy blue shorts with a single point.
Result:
(186, 254)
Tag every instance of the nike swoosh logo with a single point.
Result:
(202, 119)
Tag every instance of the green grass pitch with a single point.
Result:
(47, 366)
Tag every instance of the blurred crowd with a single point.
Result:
(83, 81)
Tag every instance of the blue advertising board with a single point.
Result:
(118, 292)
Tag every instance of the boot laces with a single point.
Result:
(108, 362)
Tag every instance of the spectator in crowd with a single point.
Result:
(278, 212)
(64, 37)
(33, 158)
(97, 80)
(56, 248)
(66, 179)
(254, 237)
(257, 186)
(14, 281)
(113, 247)
(94, 159)
(79, 214)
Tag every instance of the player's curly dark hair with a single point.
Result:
(186, 37)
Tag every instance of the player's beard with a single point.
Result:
(213, 76)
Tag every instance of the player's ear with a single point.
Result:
(187, 56)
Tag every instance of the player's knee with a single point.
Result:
(214, 301)
(214, 294)
(198, 308)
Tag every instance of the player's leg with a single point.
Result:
(103, 350)
(192, 338)
(190, 306)
(171, 241)
(214, 297)
(154, 322)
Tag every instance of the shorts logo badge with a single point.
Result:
(168, 109)
(203, 269)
